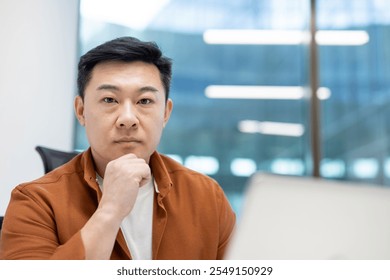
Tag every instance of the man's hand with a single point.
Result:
(122, 179)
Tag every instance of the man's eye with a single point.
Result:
(145, 101)
(109, 100)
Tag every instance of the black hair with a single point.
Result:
(126, 49)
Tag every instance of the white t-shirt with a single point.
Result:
(137, 226)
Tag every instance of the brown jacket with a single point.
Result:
(192, 218)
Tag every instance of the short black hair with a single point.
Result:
(126, 49)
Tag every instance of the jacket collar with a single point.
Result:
(88, 167)
(160, 174)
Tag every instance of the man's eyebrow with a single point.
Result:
(108, 87)
(148, 89)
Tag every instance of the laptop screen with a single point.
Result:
(286, 217)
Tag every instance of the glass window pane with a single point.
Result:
(356, 70)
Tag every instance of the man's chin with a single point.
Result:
(138, 154)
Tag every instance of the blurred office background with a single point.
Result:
(251, 90)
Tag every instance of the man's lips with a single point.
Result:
(127, 140)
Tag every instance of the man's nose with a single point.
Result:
(127, 117)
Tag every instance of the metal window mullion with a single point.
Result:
(315, 122)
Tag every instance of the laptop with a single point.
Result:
(302, 218)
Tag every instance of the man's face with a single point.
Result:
(124, 111)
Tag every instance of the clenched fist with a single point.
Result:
(122, 179)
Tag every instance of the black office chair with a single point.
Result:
(54, 158)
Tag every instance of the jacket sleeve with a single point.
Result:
(29, 231)
(227, 220)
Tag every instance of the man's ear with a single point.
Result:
(168, 111)
(79, 109)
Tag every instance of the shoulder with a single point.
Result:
(190, 182)
(55, 179)
(177, 170)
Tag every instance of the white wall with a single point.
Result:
(38, 60)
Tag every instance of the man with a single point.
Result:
(120, 199)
